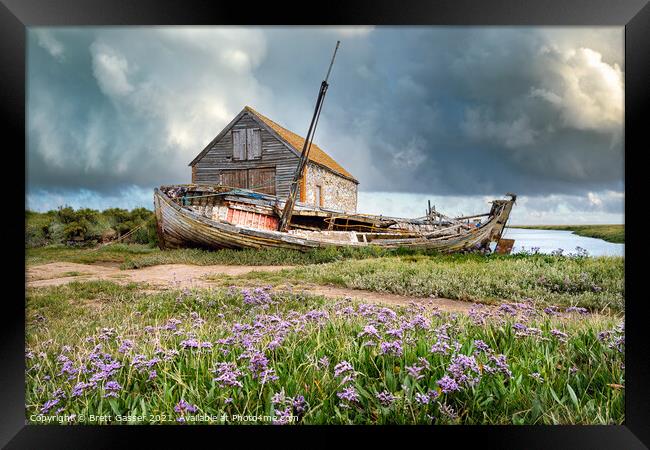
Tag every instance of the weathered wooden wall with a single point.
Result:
(219, 166)
(274, 154)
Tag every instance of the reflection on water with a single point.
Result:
(551, 240)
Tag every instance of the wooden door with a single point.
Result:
(234, 178)
(262, 180)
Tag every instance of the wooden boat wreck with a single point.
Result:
(214, 216)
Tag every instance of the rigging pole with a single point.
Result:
(287, 212)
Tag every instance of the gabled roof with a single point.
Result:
(294, 141)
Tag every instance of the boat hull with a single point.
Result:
(180, 227)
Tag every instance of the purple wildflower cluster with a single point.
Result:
(193, 343)
(349, 394)
(385, 398)
(425, 399)
(464, 370)
(614, 338)
(184, 407)
(258, 296)
(227, 374)
(288, 408)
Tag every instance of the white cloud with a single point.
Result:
(587, 91)
(111, 69)
(47, 40)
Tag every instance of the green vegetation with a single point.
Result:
(88, 226)
(593, 283)
(102, 349)
(113, 253)
(609, 233)
(136, 256)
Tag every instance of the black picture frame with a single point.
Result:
(634, 15)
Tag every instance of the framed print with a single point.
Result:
(373, 220)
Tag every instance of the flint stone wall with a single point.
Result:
(337, 192)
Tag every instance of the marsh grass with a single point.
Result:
(578, 373)
(594, 283)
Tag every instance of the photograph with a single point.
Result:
(325, 225)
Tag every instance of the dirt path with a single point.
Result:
(165, 275)
(181, 275)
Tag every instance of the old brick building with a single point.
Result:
(256, 153)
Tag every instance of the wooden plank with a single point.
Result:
(253, 143)
(238, 144)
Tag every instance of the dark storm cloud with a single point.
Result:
(466, 111)
(447, 111)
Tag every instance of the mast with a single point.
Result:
(291, 199)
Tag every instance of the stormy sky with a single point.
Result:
(458, 115)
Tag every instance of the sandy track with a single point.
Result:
(181, 276)
(165, 275)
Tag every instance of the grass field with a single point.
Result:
(609, 233)
(101, 349)
(134, 256)
(594, 283)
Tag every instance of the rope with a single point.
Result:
(122, 237)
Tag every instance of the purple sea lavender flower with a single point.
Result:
(300, 405)
(369, 330)
(419, 321)
(227, 374)
(152, 374)
(464, 369)
(257, 363)
(386, 314)
(49, 405)
(481, 346)
(440, 347)
(551, 310)
(111, 388)
(324, 362)
(537, 376)
(424, 362)
(414, 371)
(278, 398)
(559, 335)
(126, 345)
(520, 327)
(391, 348)
(268, 375)
(423, 399)
(190, 343)
(348, 394)
(283, 416)
(342, 367)
(500, 365)
(183, 407)
(81, 387)
(395, 333)
(507, 309)
(448, 384)
(385, 398)
(577, 309)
